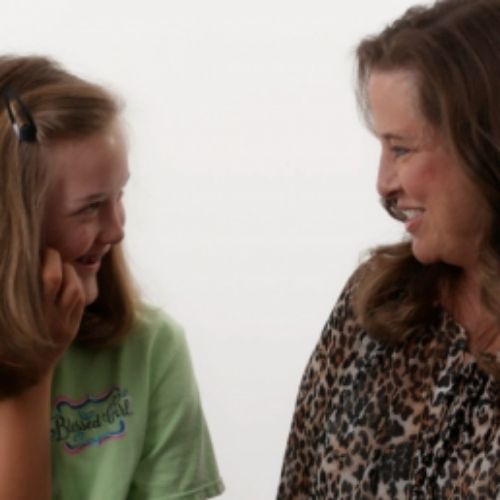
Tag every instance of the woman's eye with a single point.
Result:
(398, 151)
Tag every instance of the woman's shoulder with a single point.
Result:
(343, 315)
(343, 335)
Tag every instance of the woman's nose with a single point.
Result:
(387, 178)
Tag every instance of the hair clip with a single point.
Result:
(22, 122)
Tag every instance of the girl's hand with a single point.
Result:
(64, 300)
(25, 418)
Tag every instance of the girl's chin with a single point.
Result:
(90, 290)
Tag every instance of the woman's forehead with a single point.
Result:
(393, 103)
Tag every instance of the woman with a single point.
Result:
(401, 396)
(79, 354)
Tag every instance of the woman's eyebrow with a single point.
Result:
(391, 137)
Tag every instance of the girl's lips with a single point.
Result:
(90, 263)
(91, 267)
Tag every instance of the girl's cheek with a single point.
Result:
(75, 242)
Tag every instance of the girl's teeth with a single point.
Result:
(89, 260)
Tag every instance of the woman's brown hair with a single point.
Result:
(62, 106)
(453, 50)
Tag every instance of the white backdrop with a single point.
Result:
(252, 193)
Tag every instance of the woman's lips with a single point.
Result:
(413, 220)
(411, 216)
(391, 207)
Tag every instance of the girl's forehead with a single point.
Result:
(79, 168)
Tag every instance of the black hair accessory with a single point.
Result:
(22, 122)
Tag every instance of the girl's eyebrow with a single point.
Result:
(100, 195)
(90, 198)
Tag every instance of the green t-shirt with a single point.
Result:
(127, 422)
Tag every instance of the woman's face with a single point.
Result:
(84, 215)
(442, 210)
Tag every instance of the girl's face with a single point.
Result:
(84, 215)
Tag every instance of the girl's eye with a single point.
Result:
(91, 208)
(398, 151)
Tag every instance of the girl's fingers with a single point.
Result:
(72, 298)
(51, 274)
(71, 288)
(64, 297)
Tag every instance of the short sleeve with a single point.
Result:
(177, 461)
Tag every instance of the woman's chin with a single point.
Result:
(423, 254)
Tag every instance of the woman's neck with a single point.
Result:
(464, 303)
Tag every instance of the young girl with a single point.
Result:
(80, 355)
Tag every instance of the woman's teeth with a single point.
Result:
(411, 212)
(400, 214)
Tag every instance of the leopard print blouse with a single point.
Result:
(419, 420)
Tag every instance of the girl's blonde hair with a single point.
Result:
(62, 106)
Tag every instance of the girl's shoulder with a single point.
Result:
(154, 333)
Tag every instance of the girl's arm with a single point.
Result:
(25, 443)
(25, 468)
